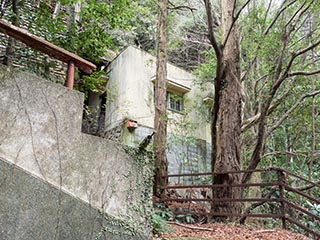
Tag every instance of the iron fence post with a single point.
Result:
(281, 180)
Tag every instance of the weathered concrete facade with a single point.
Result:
(131, 87)
(41, 142)
(131, 96)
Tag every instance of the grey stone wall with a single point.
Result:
(40, 133)
(30, 209)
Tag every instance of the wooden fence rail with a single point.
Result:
(280, 186)
(50, 49)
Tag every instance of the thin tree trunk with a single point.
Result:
(314, 78)
(160, 121)
(7, 60)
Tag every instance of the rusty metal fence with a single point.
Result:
(282, 188)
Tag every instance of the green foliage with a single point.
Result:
(94, 82)
(163, 212)
(139, 204)
(158, 224)
(187, 218)
(315, 209)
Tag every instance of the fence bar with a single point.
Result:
(305, 211)
(314, 233)
(288, 188)
(214, 173)
(281, 193)
(282, 186)
(217, 214)
(45, 46)
(270, 184)
(219, 200)
(301, 178)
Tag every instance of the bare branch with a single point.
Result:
(304, 36)
(308, 187)
(285, 74)
(174, 7)
(266, 31)
(286, 115)
(191, 227)
(302, 73)
(255, 205)
(295, 14)
(267, 12)
(304, 154)
(253, 120)
(206, 44)
(235, 18)
(277, 16)
(212, 37)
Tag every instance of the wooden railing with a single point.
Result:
(279, 190)
(50, 49)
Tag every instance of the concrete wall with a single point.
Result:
(40, 133)
(30, 209)
(131, 96)
(132, 93)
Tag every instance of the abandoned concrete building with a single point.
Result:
(129, 116)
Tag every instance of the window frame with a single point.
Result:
(174, 102)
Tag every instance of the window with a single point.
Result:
(174, 102)
(208, 102)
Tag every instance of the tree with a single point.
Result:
(226, 111)
(160, 120)
(15, 5)
(288, 28)
(276, 62)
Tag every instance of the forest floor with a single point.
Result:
(219, 231)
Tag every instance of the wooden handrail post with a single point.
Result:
(70, 75)
(281, 180)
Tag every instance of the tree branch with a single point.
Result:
(276, 17)
(212, 37)
(286, 115)
(302, 73)
(235, 18)
(308, 187)
(266, 31)
(295, 14)
(191, 227)
(174, 7)
(253, 120)
(293, 57)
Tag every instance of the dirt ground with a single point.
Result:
(218, 231)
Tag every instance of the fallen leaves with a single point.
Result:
(221, 231)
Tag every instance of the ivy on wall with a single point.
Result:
(139, 199)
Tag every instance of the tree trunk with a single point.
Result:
(227, 125)
(7, 60)
(160, 120)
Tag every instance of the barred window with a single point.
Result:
(174, 102)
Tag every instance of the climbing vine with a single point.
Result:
(139, 199)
